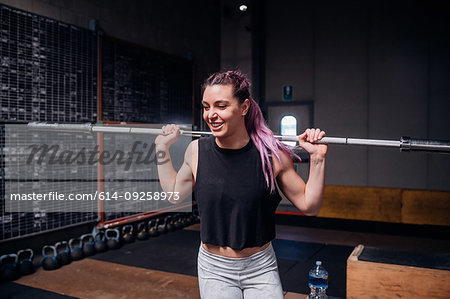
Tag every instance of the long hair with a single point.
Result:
(257, 129)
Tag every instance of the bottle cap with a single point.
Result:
(318, 263)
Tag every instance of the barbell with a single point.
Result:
(404, 144)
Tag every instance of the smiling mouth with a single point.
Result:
(216, 125)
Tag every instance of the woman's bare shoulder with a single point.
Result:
(282, 163)
(191, 154)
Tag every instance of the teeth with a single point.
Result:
(216, 125)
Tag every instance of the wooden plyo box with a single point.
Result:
(385, 279)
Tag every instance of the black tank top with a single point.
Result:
(235, 205)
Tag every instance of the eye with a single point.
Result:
(205, 107)
(222, 106)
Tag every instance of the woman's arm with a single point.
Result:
(306, 197)
(181, 183)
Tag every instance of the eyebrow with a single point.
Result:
(217, 101)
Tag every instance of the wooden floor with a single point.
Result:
(83, 279)
(119, 282)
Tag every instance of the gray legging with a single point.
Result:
(255, 276)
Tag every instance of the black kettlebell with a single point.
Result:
(100, 242)
(175, 220)
(76, 249)
(169, 224)
(196, 216)
(183, 220)
(191, 219)
(152, 228)
(88, 244)
(112, 242)
(50, 260)
(179, 221)
(142, 233)
(188, 220)
(63, 252)
(161, 224)
(25, 257)
(128, 233)
(9, 268)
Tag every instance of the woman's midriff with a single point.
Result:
(230, 252)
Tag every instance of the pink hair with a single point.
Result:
(257, 129)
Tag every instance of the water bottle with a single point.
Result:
(318, 282)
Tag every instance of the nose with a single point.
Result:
(212, 113)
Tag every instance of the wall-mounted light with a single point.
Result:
(243, 7)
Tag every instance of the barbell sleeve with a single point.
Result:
(413, 144)
(404, 144)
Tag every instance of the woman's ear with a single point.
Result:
(245, 106)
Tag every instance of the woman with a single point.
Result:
(234, 174)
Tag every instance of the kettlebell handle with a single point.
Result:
(126, 227)
(61, 243)
(101, 234)
(141, 226)
(44, 254)
(11, 255)
(73, 240)
(87, 236)
(115, 230)
(20, 252)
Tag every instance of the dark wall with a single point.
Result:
(373, 69)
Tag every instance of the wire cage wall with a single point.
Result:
(49, 72)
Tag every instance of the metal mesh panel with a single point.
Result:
(48, 72)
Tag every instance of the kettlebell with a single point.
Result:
(76, 249)
(196, 216)
(161, 224)
(62, 251)
(183, 220)
(100, 242)
(9, 269)
(25, 257)
(112, 242)
(127, 233)
(177, 221)
(152, 228)
(169, 224)
(187, 219)
(191, 219)
(88, 244)
(50, 261)
(142, 232)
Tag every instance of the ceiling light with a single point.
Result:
(243, 7)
